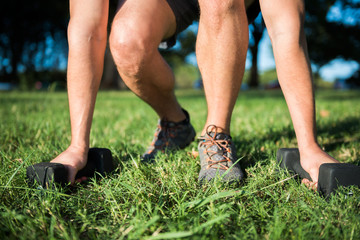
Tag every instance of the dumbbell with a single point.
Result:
(47, 174)
(331, 175)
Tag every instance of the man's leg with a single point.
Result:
(221, 52)
(138, 28)
(284, 21)
(87, 40)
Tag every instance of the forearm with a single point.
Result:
(284, 21)
(87, 42)
(295, 77)
(84, 74)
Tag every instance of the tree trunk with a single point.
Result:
(257, 33)
(254, 76)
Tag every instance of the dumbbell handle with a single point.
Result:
(99, 161)
(331, 175)
(289, 158)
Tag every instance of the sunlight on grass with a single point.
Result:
(164, 200)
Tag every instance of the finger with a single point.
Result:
(309, 184)
(82, 179)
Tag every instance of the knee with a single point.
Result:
(131, 49)
(287, 34)
(287, 27)
(220, 9)
(214, 14)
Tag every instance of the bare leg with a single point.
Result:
(87, 41)
(284, 20)
(221, 52)
(137, 31)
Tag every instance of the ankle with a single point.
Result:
(309, 148)
(215, 128)
(315, 155)
(175, 116)
(79, 149)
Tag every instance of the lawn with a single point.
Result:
(164, 200)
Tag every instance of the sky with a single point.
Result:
(336, 69)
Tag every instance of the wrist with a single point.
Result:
(79, 148)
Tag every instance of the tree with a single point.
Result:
(329, 37)
(175, 55)
(332, 36)
(257, 29)
(24, 29)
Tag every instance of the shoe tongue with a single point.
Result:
(219, 150)
(220, 136)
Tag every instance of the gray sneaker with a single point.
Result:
(217, 157)
(170, 136)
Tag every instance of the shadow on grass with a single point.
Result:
(339, 95)
(249, 94)
(247, 148)
(348, 126)
(336, 129)
(339, 130)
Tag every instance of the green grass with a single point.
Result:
(164, 200)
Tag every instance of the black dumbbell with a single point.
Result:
(331, 175)
(47, 174)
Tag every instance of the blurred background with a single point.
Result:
(33, 48)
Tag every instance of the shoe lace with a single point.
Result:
(164, 132)
(223, 144)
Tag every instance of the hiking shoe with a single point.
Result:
(170, 136)
(217, 157)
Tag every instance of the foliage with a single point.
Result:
(337, 37)
(164, 200)
(186, 75)
(24, 29)
(328, 37)
(355, 79)
(177, 54)
(33, 36)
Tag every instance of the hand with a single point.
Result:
(74, 159)
(310, 162)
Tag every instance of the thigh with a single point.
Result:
(150, 19)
